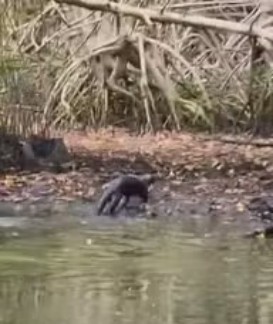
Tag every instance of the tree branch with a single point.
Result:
(150, 15)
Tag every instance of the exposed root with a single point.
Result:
(163, 64)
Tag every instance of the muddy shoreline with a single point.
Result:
(197, 176)
(194, 164)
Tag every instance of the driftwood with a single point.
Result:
(45, 153)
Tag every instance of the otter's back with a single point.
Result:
(132, 186)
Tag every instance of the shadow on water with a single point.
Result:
(67, 266)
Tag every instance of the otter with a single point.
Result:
(122, 188)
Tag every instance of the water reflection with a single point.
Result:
(134, 272)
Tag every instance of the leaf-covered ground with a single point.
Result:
(195, 164)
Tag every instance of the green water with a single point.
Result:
(134, 271)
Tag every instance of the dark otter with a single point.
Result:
(265, 232)
(125, 187)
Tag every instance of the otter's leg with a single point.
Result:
(106, 197)
(114, 203)
(124, 202)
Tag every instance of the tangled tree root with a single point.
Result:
(159, 64)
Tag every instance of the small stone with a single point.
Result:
(88, 242)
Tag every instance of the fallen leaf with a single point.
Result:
(240, 207)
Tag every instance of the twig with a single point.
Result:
(246, 142)
(165, 7)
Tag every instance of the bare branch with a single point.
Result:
(148, 15)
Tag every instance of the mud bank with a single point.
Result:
(198, 175)
(194, 163)
(204, 208)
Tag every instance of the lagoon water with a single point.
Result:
(131, 271)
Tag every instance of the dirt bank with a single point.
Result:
(194, 164)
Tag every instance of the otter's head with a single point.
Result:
(149, 179)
